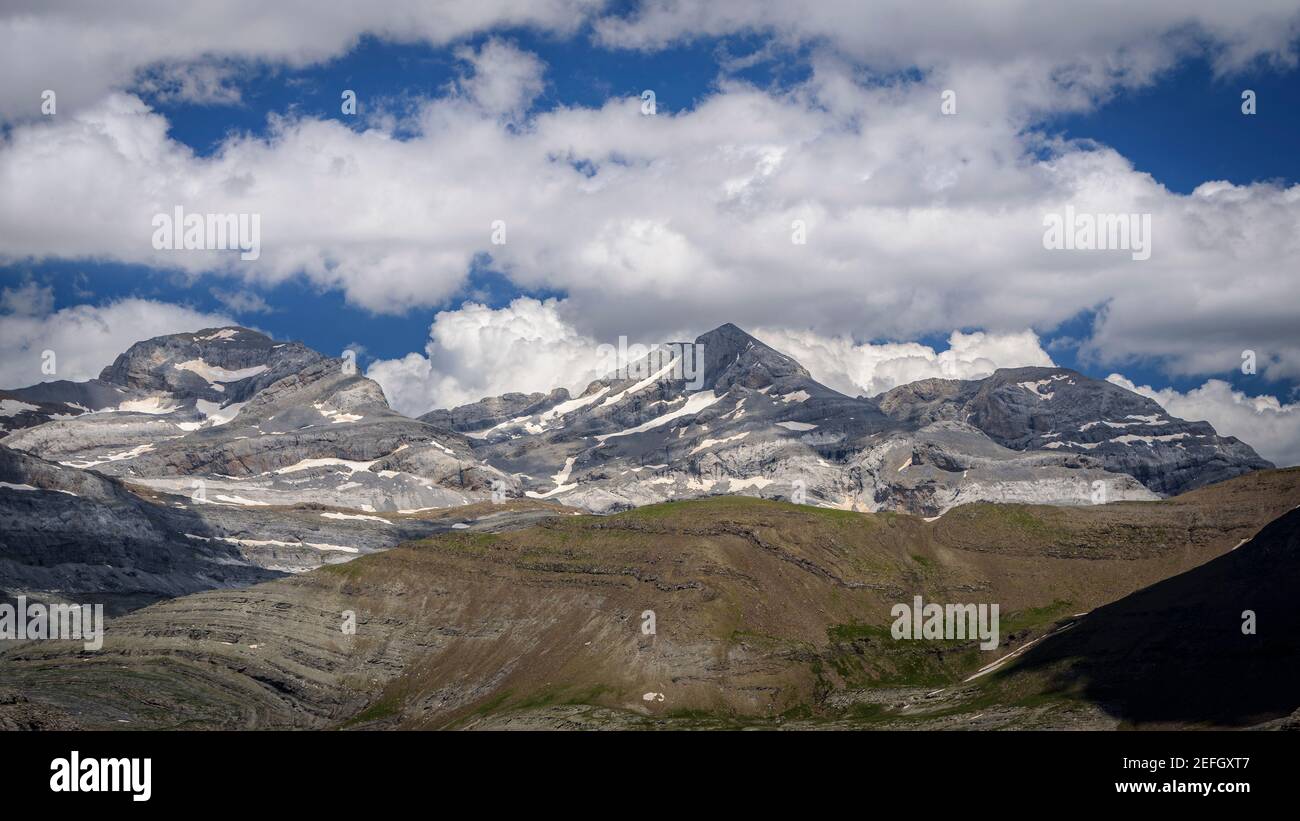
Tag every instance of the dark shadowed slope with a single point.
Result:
(1175, 652)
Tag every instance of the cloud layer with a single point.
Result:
(908, 222)
(83, 50)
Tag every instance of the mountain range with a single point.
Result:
(227, 434)
(229, 498)
(759, 424)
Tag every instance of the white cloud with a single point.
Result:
(476, 351)
(1266, 424)
(87, 338)
(869, 369)
(28, 299)
(916, 223)
(242, 302)
(83, 50)
(504, 80)
(202, 83)
(1075, 52)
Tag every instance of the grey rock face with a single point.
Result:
(28, 407)
(745, 419)
(494, 410)
(221, 365)
(218, 366)
(215, 459)
(79, 536)
(1062, 410)
(66, 534)
(212, 459)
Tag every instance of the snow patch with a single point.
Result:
(240, 500)
(695, 403)
(796, 426)
(1128, 438)
(112, 457)
(216, 413)
(563, 476)
(642, 385)
(356, 516)
(212, 373)
(708, 443)
(1036, 388)
(335, 416)
(308, 464)
(155, 405)
(223, 334)
(759, 482)
(565, 408)
(12, 407)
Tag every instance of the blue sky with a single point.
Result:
(1175, 117)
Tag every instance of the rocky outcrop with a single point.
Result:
(1062, 410)
(77, 535)
(68, 534)
(494, 410)
(210, 459)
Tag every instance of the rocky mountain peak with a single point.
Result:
(733, 357)
(219, 365)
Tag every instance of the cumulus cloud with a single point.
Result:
(1263, 422)
(476, 351)
(504, 80)
(87, 338)
(1079, 48)
(83, 49)
(870, 369)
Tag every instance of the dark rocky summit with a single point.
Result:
(1061, 409)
